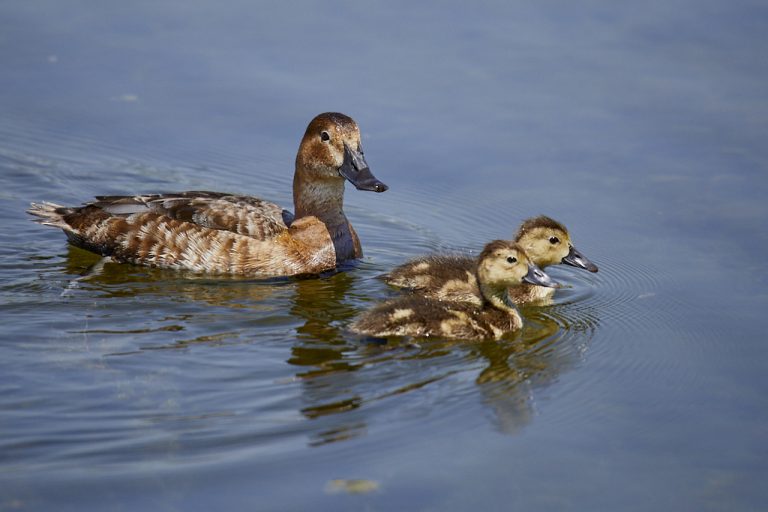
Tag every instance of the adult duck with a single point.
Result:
(222, 233)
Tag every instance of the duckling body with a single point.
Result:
(501, 266)
(223, 233)
(422, 317)
(450, 278)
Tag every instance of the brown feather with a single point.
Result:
(422, 317)
(228, 233)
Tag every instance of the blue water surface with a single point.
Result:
(641, 126)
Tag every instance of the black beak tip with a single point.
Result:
(576, 259)
(376, 186)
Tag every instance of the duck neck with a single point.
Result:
(497, 297)
(323, 199)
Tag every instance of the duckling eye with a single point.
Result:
(511, 259)
(324, 136)
(554, 240)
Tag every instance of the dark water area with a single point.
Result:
(641, 127)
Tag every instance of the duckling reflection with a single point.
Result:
(344, 385)
(342, 380)
(552, 343)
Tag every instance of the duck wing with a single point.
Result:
(244, 215)
(154, 239)
(439, 276)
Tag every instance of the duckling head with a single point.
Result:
(547, 242)
(503, 264)
(331, 152)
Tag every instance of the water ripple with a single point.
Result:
(188, 366)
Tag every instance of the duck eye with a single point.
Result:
(324, 136)
(554, 240)
(511, 259)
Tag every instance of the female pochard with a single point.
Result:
(235, 234)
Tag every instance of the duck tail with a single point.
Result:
(50, 214)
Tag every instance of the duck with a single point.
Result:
(501, 266)
(225, 233)
(452, 277)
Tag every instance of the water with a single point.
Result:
(642, 128)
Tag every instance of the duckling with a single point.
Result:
(224, 233)
(501, 266)
(546, 241)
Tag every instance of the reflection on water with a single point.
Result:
(327, 360)
(641, 128)
(508, 368)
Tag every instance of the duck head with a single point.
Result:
(547, 242)
(331, 152)
(504, 264)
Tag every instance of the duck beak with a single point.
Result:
(576, 259)
(356, 170)
(537, 276)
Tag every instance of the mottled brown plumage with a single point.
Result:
(223, 233)
(546, 241)
(501, 266)
(244, 215)
(422, 317)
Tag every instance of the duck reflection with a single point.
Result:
(345, 381)
(168, 302)
(321, 351)
(115, 280)
(345, 378)
(317, 307)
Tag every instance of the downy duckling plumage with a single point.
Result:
(452, 277)
(502, 266)
(222, 233)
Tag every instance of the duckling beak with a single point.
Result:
(537, 276)
(356, 170)
(576, 259)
